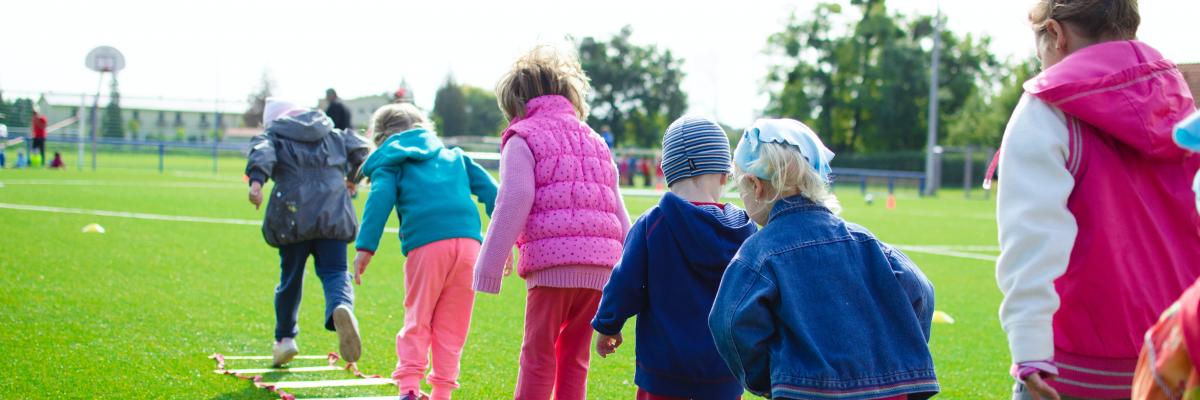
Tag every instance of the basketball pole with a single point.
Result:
(931, 181)
(82, 128)
(101, 59)
(95, 115)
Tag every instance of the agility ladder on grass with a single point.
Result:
(251, 374)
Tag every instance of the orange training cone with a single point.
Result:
(891, 202)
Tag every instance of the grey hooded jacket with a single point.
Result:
(310, 162)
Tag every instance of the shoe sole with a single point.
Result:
(349, 344)
(287, 357)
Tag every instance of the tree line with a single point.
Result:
(855, 71)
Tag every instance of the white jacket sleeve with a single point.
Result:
(1037, 231)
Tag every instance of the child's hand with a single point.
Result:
(352, 188)
(606, 345)
(508, 266)
(256, 196)
(360, 265)
(1039, 389)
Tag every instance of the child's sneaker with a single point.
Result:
(349, 344)
(285, 351)
(414, 396)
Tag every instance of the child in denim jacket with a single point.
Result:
(813, 306)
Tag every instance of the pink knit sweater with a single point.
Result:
(513, 205)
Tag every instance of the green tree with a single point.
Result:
(450, 109)
(5, 110)
(20, 113)
(985, 115)
(113, 125)
(484, 117)
(135, 128)
(866, 87)
(257, 100)
(636, 89)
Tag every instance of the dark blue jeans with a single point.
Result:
(330, 259)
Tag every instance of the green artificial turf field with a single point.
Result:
(134, 312)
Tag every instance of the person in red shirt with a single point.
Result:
(39, 133)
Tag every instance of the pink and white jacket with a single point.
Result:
(1097, 229)
(564, 210)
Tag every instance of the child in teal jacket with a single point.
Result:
(430, 187)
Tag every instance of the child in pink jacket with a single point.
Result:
(1096, 224)
(558, 202)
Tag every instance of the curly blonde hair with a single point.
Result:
(790, 175)
(545, 70)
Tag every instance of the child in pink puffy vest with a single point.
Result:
(559, 204)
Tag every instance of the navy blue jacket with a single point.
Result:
(675, 255)
(815, 307)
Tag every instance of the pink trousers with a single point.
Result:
(558, 337)
(437, 314)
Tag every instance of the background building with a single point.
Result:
(154, 119)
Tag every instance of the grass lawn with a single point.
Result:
(134, 313)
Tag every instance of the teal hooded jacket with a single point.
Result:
(429, 186)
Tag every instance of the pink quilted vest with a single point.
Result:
(1138, 243)
(573, 220)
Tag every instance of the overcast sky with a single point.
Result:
(219, 48)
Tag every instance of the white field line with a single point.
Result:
(949, 251)
(971, 248)
(269, 370)
(205, 176)
(145, 216)
(174, 185)
(918, 213)
(329, 383)
(269, 357)
(935, 250)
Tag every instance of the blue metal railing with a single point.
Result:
(863, 176)
(71, 137)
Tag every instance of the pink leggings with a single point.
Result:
(558, 337)
(437, 314)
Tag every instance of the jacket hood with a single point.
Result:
(310, 126)
(414, 144)
(1125, 89)
(706, 242)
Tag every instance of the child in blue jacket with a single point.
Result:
(672, 264)
(814, 307)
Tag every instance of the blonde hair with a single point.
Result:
(790, 174)
(1096, 19)
(543, 71)
(395, 118)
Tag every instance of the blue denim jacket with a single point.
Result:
(815, 307)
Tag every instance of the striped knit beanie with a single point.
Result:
(694, 146)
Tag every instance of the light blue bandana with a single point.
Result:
(783, 131)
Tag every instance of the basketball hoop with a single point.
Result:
(101, 59)
(105, 59)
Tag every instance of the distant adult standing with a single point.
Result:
(3, 142)
(608, 137)
(336, 110)
(39, 134)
